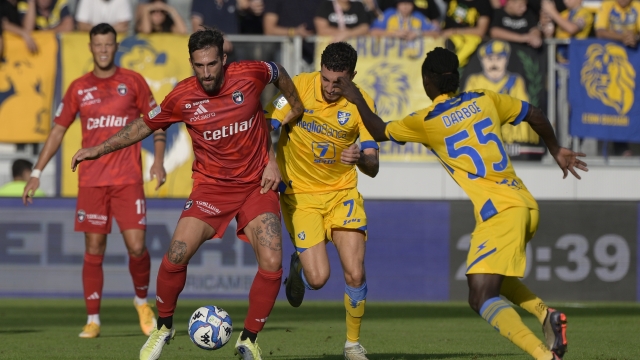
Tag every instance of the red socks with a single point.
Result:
(140, 267)
(262, 296)
(171, 280)
(92, 281)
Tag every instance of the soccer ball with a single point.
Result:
(210, 327)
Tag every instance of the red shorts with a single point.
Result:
(218, 204)
(97, 205)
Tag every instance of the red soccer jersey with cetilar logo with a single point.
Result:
(228, 129)
(105, 106)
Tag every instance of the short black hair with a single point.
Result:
(204, 38)
(102, 29)
(339, 56)
(19, 166)
(441, 67)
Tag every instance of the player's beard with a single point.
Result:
(212, 87)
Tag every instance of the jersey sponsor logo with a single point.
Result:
(122, 89)
(84, 91)
(201, 113)
(238, 97)
(301, 235)
(226, 131)
(89, 99)
(81, 215)
(349, 221)
(464, 113)
(106, 121)
(343, 117)
(322, 129)
(207, 208)
(280, 102)
(59, 110)
(190, 105)
(188, 204)
(154, 112)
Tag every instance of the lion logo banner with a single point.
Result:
(389, 71)
(27, 84)
(163, 61)
(602, 91)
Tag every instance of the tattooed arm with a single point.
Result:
(129, 135)
(288, 89)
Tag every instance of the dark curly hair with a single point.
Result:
(441, 68)
(204, 38)
(339, 56)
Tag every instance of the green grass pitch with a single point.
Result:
(48, 329)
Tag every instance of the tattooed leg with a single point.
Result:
(265, 235)
(189, 235)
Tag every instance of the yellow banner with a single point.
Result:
(27, 84)
(389, 70)
(163, 61)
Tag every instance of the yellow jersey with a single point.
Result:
(463, 131)
(613, 17)
(581, 17)
(310, 148)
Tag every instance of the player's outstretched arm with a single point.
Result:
(288, 89)
(50, 148)
(157, 169)
(372, 122)
(129, 135)
(566, 159)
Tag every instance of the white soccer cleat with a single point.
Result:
(356, 352)
(152, 349)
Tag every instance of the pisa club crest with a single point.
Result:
(238, 97)
(81, 215)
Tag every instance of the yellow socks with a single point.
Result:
(354, 301)
(506, 320)
(518, 293)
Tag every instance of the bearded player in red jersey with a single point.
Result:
(107, 99)
(235, 175)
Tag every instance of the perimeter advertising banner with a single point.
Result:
(27, 84)
(389, 71)
(163, 61)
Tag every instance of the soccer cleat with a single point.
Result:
(89, 331)
(152, 349)
(246, 350)
(555, 356)
(147, 318)
(554, 328)
(356, 352)
(294, 286)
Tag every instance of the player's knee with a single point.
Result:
(271, 262)
(354, 278)
(316, 279)
(136, 250)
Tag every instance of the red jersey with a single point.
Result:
(106, 105)
(228, 129)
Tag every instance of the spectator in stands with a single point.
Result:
(428, 8)
(574, 22)
(219, 14)
(403, 22)
(291, 18)
(251, 18)
(619, 20)
(51, 15)
(116, 13)
(21, 171)
(12, 23)
(342, 19)
(515, 23)
(157, 16)
(465, 25)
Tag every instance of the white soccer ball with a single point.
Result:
(210, 327)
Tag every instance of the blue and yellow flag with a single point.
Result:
(603, 90)
(389, 70)
(27, 84)
(163, 61)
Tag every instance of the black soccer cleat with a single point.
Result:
(294, 286)
(554, 328)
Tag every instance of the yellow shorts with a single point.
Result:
(310, 218)
(498, 244)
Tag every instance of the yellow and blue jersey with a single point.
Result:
(391, 20)
(581, 17)
(463, 131)
(616, 18)
(310, 148)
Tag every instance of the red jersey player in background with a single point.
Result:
(235, 175)
(107, 99)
